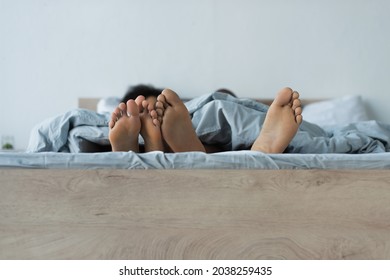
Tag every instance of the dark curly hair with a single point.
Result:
(146, 90)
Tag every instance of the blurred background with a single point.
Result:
(54, 52)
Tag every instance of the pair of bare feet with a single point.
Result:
(165, 124)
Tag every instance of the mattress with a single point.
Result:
(193, 160)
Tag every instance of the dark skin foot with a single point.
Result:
(176, 125)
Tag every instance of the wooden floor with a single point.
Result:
(194, 214)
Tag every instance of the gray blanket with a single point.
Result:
(218, 119)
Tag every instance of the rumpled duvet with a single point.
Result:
(218, 119)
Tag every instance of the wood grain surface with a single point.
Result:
(194, 214)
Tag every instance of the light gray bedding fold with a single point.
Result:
(193, 160)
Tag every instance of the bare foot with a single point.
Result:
(281, 123)
(125, 126)
(150, 131)
(176, 125)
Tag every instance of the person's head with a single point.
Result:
(146, 90)
(227, 91)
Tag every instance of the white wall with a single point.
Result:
(52, 52)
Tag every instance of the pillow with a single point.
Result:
(107, 105)
(338, 111)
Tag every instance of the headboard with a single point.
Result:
(88, 103)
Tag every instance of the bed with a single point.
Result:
(89, 204)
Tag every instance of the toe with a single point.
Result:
(298, 119)
(139, 99)
(122, 106)
(160, 106)
(284, 97)
(295, 95)
(160, 113)
(153, 114)
(157, 122)
(296, 104)
(132, 108)
(151, 106)
(298, 111)
(145, 105)
(161, 102)
(118, 112)
(171, 97)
